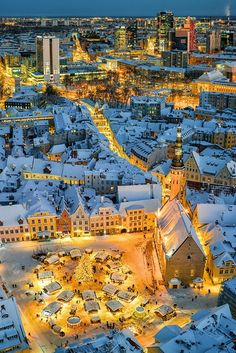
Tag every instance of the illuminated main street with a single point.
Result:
(104, 128)
(7, 85)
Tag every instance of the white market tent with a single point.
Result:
(51, 309)
(114, 305)
(52, 287)
(66, 296)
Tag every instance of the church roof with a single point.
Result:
(175, 227)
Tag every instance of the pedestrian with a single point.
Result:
(209, 291)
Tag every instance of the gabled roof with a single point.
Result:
(139, 192)
(148, 205)
(209, 164)
(225, 257)
(175, 227)
(167, 333)
(210, 213)
(40, 205)
(10, 215)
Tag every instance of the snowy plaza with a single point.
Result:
(75, 289)
(80, 287)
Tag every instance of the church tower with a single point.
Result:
(177, 171)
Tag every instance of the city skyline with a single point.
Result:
(118, 176)
(106, 8)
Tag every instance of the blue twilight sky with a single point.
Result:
(113, 7)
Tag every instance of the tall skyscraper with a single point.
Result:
(184, 38)
(189, 25)
(47, 58)
(131, 35)
(228, 38)
(120, 42)
(165, 22)
(213, 42)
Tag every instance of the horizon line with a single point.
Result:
(111, 16)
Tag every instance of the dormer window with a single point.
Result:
(228, 263)
(20, 220)
(47, 169)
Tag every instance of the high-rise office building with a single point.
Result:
(47, 58)
(146, 28)
(176, 58)
(213, 42)
(181, 39)
(189, 25)
(131, 36)
(184, 38)
(228, 38)
(120, 42)
(165, 22)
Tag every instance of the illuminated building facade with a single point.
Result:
(184, 37)
(213, 81)
(104, 219)
(176, 58)
(42, 225)
(213, 42)
(80, 221)
(202, 170)
(13, 224)
(189, 25)
(63, 223)
(137, 218)
(120, 39)
(165, 22)
(131, 35)
(218, 100)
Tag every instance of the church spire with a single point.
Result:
(177, 162)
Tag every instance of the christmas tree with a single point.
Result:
(84, 270)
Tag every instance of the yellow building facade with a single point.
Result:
(42, 224)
